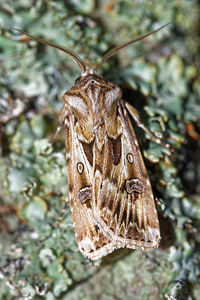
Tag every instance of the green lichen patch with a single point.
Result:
(160, 77)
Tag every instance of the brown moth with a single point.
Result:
(110, 193)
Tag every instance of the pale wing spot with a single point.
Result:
(130, 158)
(80, 167)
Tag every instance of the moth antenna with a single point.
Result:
(71, 53)
(118, 48)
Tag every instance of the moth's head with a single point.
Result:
(90, 76)
(88, 73)
(85, 70)
(94, 83)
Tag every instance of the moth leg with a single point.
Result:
(61, 118)
(135, 115)
(60, 125)
(62, 115)
(50, 144)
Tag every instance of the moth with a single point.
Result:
(110, 194)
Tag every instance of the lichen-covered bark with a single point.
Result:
(159, 76)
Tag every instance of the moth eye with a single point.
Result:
(130, 158)
(80, 167)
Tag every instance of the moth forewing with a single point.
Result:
(110, 193)
(141, 183)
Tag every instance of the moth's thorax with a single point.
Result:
(92, 98)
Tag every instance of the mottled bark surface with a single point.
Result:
(39, 258)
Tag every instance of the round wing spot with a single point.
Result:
(80, 167)
(130, 158)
